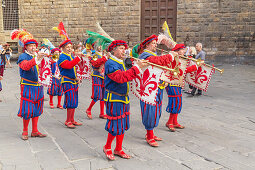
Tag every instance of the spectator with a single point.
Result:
(1, 48)
(201, 54)
(8, 52)
(1, 74)
(3, 56)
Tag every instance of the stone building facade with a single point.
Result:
(225, 27)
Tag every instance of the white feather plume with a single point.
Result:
(163, 39)
(102, 32)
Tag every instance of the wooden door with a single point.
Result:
(154, 13)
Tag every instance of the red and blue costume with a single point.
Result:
(66, 64)
(117, 100)
(55, 88)
(151, 114)
(116, 96)
(32, 95)
(31, 102)
(1, 72)
(174, 93)
(97, 85)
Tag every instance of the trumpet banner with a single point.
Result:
(101, 70)
(83, 68)
(45, 73)
(57, 73)
(200, 78)
(145, 85)
(169, 76)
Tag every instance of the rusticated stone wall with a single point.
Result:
(225, 27)
(120, 19)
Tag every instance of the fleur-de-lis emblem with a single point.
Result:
(199, 76)
(145, 81)
(45, 70)
(82, 68)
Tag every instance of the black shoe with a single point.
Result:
(190, 95)
(199, 94)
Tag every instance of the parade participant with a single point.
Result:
(201, 55)
(97, 83)
(116, 97)
(55, 88)
(7, 51)
(151, 114)
(174, 95)
(32, 95)
(1, 67)
(45, 49)
(1, 74)
(1, 78)
(3, 55)
(89, 46)
(69, 81)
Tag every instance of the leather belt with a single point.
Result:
(69, 78)
(29, 80)
(125, 95)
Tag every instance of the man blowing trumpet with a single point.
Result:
(116, 97)
(32, 95)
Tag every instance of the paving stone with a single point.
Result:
(53, 159)
(183, 155)
(101, 164)
(233, 155)
(82, 164)
(8, 167)
(43, 144)
(201, 164)
(136, 164)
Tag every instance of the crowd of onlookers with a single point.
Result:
(6, 53)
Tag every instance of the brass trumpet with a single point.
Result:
(198, 61)
(94, 57)
(175, 70)
(55, 57)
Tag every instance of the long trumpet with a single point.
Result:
(55, 57)
(94, 57)
(175, 70)
(198, 61)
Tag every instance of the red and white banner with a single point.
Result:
(101, 70)
(45, 73)
(169, 77)
(83, 69)
(200, 78)
(145, 86)
(57, 72)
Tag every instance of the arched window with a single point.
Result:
(10, 14)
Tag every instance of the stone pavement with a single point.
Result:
(219, 133)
